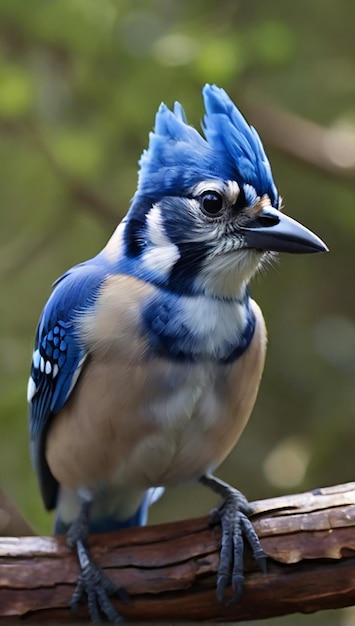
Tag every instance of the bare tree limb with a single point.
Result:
(170, 570)
(331, 152)
(12, 522)
(80, 192)
(25, 247)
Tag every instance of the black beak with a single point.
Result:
(273, 230)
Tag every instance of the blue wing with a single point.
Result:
(58, 358)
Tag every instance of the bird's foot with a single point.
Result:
(96, 588)
(236, 527)
(93, 586)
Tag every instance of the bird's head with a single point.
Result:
(207, 211)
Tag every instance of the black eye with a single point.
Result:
(211, 202)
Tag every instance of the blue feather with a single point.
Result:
(178, 157)
(171, 337)
(58, 356)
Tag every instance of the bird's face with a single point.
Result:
(206, 212)
(213, 239)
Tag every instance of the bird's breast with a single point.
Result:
(199, 411)
(145, 420)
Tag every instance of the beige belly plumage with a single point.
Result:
(152, 423)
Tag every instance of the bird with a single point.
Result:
(148, 356)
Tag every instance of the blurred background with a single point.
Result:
(80, 82)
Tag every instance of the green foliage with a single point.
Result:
(17, 91)
(80, 83)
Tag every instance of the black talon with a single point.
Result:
(78, 596)
(236, 527)
(97, 588)
(254, 542)
(93, 586)
(222, 584)
(237, 586)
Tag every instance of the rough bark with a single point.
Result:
(169, 570)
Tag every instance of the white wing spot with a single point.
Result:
(41, 364)
(48, 367)
(31, 389)
(36, 359)
(55, 370)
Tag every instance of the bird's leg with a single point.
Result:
(92, 583)
(233, 516)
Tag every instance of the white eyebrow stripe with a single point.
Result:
(232, 191)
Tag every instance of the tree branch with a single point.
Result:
(170, 570)
(12, 522)
(329, 151)
(79, 191)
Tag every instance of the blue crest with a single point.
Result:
(178, 157)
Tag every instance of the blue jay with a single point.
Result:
(148, 357)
